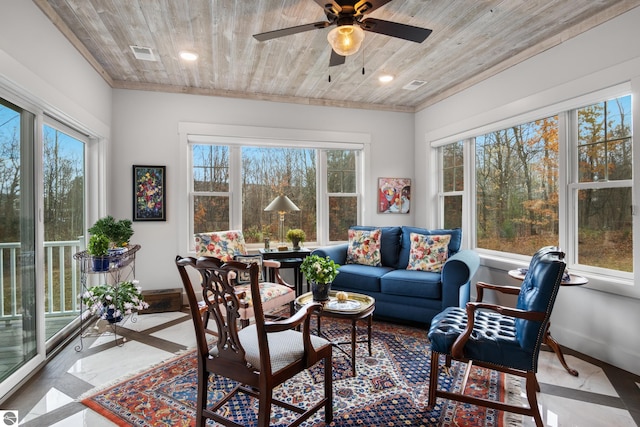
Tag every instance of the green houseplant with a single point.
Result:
(112, 302)
(98, 248)
(296, 236)
(118, 232)
(320, 272)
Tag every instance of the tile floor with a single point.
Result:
(601, 395)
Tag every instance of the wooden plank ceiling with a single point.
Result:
(471, 40)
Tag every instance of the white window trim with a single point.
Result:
(617, 282)
(237, 136)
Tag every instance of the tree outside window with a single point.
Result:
(267, 172)
(604, 187)
(517, 187)
(452, 183)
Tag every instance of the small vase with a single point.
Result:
(101, 263)
(110, 315)
(320, 291)
(296, 244)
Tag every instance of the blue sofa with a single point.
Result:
(410, 295)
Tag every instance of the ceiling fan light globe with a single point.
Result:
(346, 39)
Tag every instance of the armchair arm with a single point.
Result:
(457, 272)
(293, 321)
(303, 316)
(481, 286)
(338, 253)
(272, 268)
(457, 350)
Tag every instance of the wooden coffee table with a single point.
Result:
(357, 307)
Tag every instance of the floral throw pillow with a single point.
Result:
(428, 252)
(364, 247)
(223, 245)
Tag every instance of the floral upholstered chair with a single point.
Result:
(230, 246)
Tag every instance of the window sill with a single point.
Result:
(613, 284)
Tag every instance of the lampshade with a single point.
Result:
(281, 204)
(346, 39)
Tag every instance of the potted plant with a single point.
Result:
(296, 236)
(118, 232)
(98, 248)
(320, 273)
(113, 302)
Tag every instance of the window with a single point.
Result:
(452, 183)
(210, 183)
(564, 179)
(342, 192)
(603, 187)
(260, 173)
(517, 187)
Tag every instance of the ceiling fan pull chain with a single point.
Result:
(363, 60)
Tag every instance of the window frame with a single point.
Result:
(606, 280)
(238, 136)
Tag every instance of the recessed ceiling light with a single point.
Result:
(385, 78)
(188, 55)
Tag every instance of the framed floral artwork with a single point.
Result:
(394, 195)
(149, 193)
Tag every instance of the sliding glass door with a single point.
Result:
(18, 308)
(64, 214)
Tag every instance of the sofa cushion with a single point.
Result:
(389, 243)
(419, 284)
(405, 243)
(223, 245)
(364, 247)
(428, 252)
(358, 277)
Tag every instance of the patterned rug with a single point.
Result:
(390, 389)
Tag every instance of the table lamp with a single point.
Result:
(281, 204)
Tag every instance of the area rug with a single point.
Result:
(390, 389)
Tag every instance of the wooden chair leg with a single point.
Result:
(433, 379)
(201, 399)
(531, 385)
(328, 390)
(264, 408)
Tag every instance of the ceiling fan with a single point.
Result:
(348, 35)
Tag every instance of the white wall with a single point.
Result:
(40, 64)
(145, 132)
(602, 325)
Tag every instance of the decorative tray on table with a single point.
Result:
(346, 305)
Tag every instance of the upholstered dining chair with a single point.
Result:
(230, 245)
(258, 357)
(497, 337)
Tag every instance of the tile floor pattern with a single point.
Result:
(600, 396)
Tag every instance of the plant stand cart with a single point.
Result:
(121, 267)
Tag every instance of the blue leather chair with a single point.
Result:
(497, 337)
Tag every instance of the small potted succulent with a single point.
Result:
(320, 272)
(98, 248)
(296, 236)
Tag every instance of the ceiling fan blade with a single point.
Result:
(336, 59)
(394, 29)
(269, 35)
